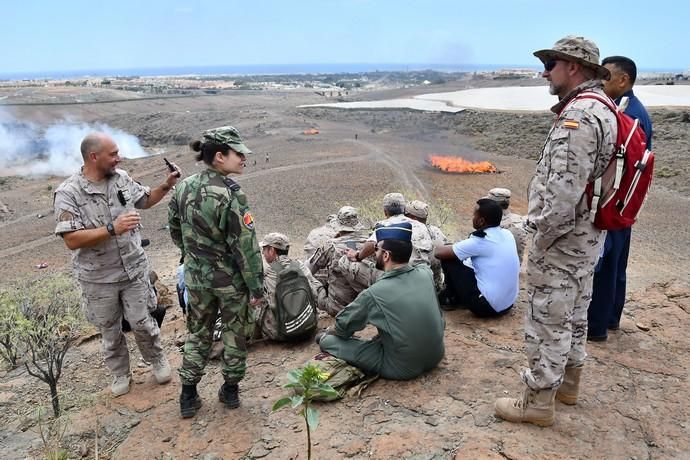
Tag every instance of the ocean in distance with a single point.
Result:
(268, 69)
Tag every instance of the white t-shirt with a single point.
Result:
(496, 265)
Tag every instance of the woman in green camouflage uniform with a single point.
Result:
(211, 223)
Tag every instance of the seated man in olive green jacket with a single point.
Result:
(402, 305)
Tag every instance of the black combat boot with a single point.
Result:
(189, 401)
(227, 394)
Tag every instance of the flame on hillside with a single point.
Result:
(453, 164)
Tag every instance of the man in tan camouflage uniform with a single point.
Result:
(565, 243)
(394, 210)
(419, 211)
(512, 222)
(274, 248)
(95, 212)
(342, 287)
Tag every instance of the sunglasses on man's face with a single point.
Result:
(550, 64)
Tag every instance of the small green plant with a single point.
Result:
(307, 383)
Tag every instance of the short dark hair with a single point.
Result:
(626, 64)
(400, 250)
(491, 212)
(207, 150)
(394, 209)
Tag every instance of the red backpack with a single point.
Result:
(617, 196)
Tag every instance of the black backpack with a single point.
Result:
(295, 305)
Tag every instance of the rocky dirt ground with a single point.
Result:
(635, 392)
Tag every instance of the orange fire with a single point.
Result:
(460, 165)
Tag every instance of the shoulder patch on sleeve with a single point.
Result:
(65, 216)
(571, 124)
(248, 220)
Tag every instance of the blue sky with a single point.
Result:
(77, 35)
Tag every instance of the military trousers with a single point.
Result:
(366, 355)
(205, 304)
(555, 329)
(105, 304)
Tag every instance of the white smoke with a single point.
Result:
(29, 149)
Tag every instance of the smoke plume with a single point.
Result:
(29, 149)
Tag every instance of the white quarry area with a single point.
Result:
(516, 98)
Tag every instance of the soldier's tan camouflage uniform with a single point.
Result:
(114, 274)
(565, 244)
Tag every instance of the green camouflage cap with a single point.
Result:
(576, 49)
(227, 135)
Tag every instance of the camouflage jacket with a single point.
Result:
(577, 150)
(211, 223)
(79, 205)
(318, 237)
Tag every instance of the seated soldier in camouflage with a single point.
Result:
(319, 236)
(274, 248)
(341, 289)
(419, 211)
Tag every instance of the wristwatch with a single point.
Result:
(110, 229)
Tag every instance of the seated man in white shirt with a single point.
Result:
(481, 272)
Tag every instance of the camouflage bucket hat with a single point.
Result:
(576, 49)
(276, 240)
(347, 220)
(227, 135)
(417, 208)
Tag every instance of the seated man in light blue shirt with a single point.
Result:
(481, 272)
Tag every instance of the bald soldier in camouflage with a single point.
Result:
(211, 223)
(419, 211)
(95, 213)
(512, 222)
(342, 289)
(565, 243)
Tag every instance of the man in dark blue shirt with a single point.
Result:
(608, 292)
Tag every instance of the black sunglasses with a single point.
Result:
(550, 64)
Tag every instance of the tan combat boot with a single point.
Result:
(536, 407)
(567, 392)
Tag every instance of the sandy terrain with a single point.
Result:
(635, 392)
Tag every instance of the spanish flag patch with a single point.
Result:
(571, 124)
(248, 220)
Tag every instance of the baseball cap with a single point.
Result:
(276, 240)
(418, 209)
